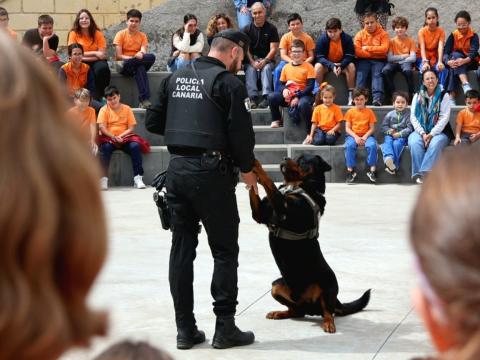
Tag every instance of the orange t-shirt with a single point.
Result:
(116, 121)
(287, 39)
(360, 120)
(298, 74)
(431, 40)
(130, 43)
(377, 44)
(402, 46)
(83, 118)
(89, 44)
(327, 117)
(12, 33)
(335, 51)
(76, 80)
(470, 121)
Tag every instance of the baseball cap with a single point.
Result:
(238, 37)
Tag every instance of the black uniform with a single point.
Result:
(208, 130)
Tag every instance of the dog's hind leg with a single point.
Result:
(328, 321)
(282, 294)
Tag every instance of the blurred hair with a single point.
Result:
(129, 350)
(45, 20)
(3, 12)
(360, 91)
(134, 13)
(111, 90)
(293, 17)
(298, 44)
(402, 94)
(333, 24)
(462, 14)
(82, 94)
(399, 21)
(472, 94)
(212, 23)
(52, 223)
(445, 237)
(74, 46)
(435, 11)
(324, 87)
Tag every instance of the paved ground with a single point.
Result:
(363, 237)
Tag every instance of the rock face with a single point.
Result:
(161, 22)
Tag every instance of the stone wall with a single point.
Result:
(24, 13)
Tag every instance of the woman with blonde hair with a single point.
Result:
(52, 223)
(216, 24)
(445, 236)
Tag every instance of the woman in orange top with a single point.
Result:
(431, 41)
(461, 52)
(86, 33)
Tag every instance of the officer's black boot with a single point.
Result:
(228, 335)
(186, 338)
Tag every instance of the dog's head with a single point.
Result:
(306, 167)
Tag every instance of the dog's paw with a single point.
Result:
(278, 315)
(329, 327)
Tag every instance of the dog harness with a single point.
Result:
(277, 231)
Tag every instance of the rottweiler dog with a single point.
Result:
(308, 285)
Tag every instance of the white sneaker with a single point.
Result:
(104, 183)
(138, 182)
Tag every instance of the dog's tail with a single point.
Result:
(354, 306)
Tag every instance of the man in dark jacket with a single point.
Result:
(203, 111)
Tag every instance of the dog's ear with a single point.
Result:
(323, 166)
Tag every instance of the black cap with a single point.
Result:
(238, 37)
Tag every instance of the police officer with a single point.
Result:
(203, 112)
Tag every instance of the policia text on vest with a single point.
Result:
(188, 88)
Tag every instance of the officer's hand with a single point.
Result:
(250, 179)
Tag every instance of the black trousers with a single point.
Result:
(198, 191)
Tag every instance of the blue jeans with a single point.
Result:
(423, 159)
(243, 19)
(276, 99)
(251, 77)
(132, 148)
(321, 137)
(393, 148)
(442, 75)
(181, 63)
(351, 151)
(452, 79)
(138, 69)
(366, 67)
(389, 70)
(276, 75)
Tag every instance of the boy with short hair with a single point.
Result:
(295, 25)
(43, 41)
(371, 47)
(131, 48)
(467, 130)
(360, 127)
(4, 23)
(401, 56)
(334, 52)
(296, 84)
(116, 123)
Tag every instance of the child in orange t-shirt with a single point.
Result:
(360, 126)
(298, 75)
(131, 48)
(116, 123)
(326, 118)
(401, 56)
(468, 120)
(431, 42)
(84, 116)
(4, 23)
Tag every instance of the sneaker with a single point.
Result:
(350, 100)
(264, 103)
(466, 87)
(452, 102)
(351, 175)
(371, 176)
(104, 183)
(138, 182)
(376, 103)
(145, 104)
(276, 124)
(419, 179)
(390, 166)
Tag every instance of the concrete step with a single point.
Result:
(121, 173)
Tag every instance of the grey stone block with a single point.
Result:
(128, 87)
(267, 135)
(294, 133)
(271, 154)
(140, 129)
(261, 116)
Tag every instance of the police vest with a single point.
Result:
(194, 119)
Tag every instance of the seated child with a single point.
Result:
(131, 47)
(77, 75)
(467, 130)
(84, 115)
(326, 118)
(4, 23)
(300, 75)
(360, 126)
(401, 56)
(116, 123)
(396, 127)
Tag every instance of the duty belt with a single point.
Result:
(279, 232)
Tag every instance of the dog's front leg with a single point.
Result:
(255, 206)
(264, 179)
